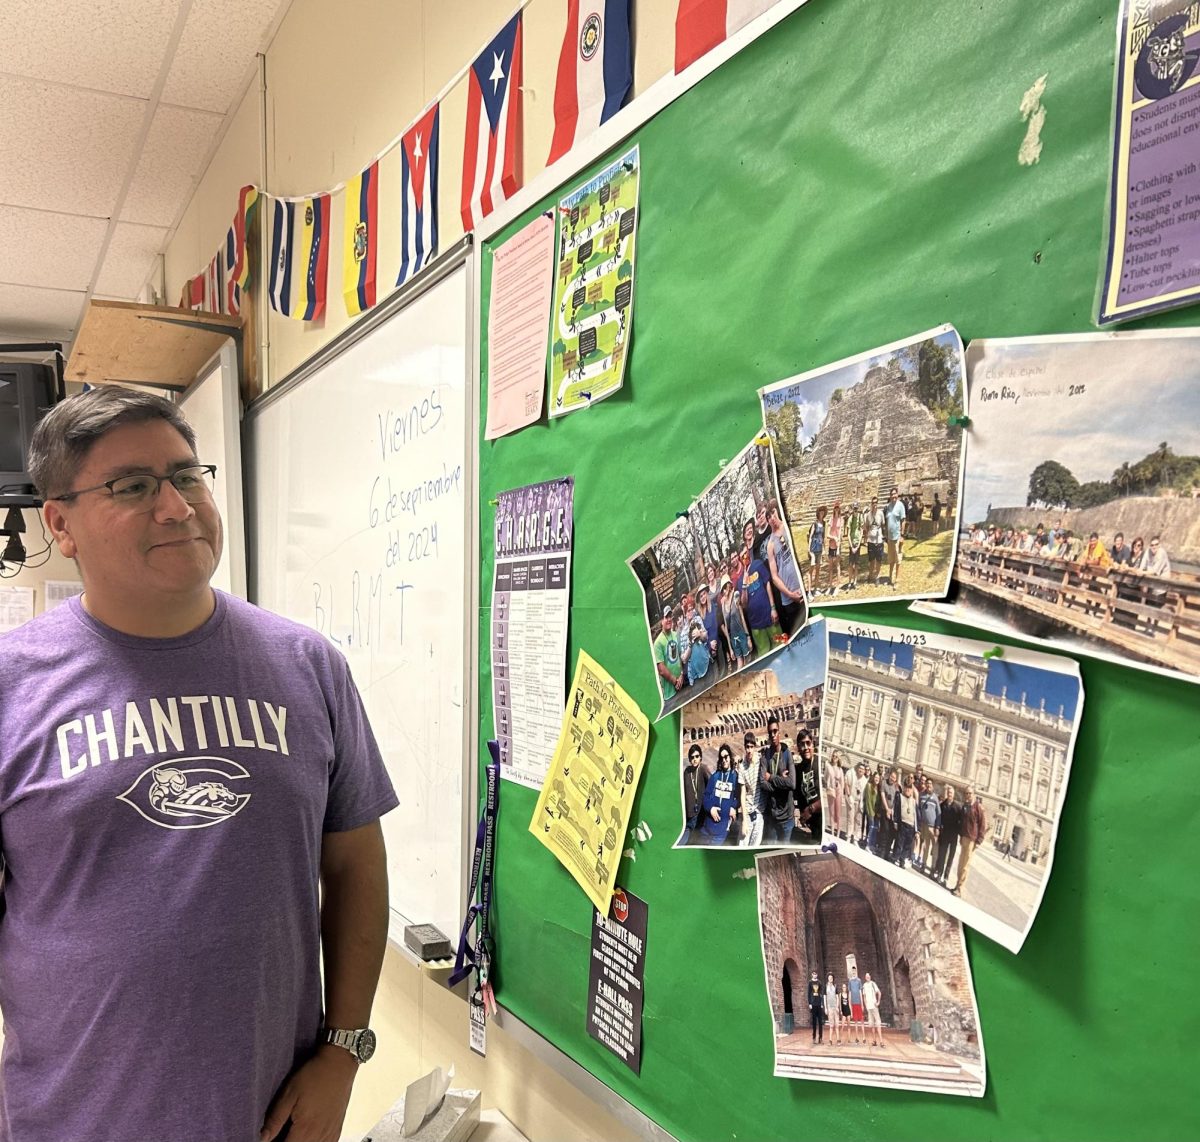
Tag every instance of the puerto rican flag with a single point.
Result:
(702, 24)
(419, 192)
(595, 70)
(492, 147)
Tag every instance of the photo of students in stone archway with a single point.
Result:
(869, 454)
(866, 983)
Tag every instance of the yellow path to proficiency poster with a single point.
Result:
(583, 811)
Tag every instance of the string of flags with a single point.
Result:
(593, 81)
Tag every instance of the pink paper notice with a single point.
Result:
(518, 327)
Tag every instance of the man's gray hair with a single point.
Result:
(66, 434)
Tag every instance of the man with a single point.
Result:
(714, 626)
(758, 603)
(777, 782)
(1120, 551)
(935, 513)
(808, 790)
(189, 804)
(876, 522)
(889, 807)
(816, 1009)
(894, 520)
(971, 834)
(667, 658)
(858, 1030)
(951, 812)
(929, 821)
(1072, 547)
(872, 997)
(752, 801)
(785, 575)
(1155, 561)
(1096, 553)
(695, 783)
(906, 814)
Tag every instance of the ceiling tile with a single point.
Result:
(38, 314)
(65, 149)
(42, 248)
(172, 162)
(109, 45)
(217, 48)
(130, 258)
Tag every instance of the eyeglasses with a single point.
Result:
(139, 490)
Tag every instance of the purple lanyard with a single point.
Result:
(477, 957)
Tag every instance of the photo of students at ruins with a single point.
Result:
(1081, 521)
(748, 749)
(946, 771)
(869, 454)
(867, 984)
(721, 586)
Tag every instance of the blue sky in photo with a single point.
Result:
(812, 395)
(801, 663)
(1057, 689)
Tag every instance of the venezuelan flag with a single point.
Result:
(360, 240)
(313, 259)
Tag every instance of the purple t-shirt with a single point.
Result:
(162, 803)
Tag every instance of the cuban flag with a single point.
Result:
(419, 205)
(491, 151)
(360, 240)
(595, 71)
(233, 291)
(702, 24)
(314, 257)
(280, 292)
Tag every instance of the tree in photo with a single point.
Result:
(1052, 485)
(783, 425)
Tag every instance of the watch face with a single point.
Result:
(366, 1045)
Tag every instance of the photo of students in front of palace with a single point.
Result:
(1081, 518)
(869, 455)
(867, 984)
(945, 770)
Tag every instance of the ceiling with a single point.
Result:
(110, 112)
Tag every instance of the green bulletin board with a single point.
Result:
(849, 179)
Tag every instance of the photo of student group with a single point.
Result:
(749, 750)
(946, 771)
(852, 994)
(869, 453)
(722, 587)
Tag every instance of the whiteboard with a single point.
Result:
(214, 410)
(359, 508)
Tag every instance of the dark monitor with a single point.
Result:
(28, 390)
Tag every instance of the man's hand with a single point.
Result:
(314, 1097)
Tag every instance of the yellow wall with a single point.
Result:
(344, 79)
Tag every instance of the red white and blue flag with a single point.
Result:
(595, 70)
(419, 195)
(700, 25)
(492, 147)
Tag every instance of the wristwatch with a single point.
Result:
(361, 1043)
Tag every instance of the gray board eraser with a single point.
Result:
(426, 941)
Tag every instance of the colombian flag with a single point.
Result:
(313, 260)
(239, 271)
(360, 240)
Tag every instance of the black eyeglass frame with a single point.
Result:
(210, 469)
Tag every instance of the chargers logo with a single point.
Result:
(189, 793)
